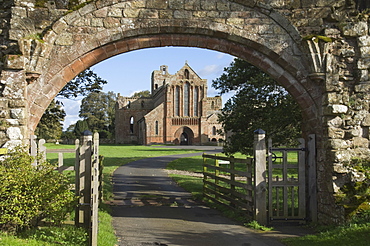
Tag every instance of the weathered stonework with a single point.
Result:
(317, 49)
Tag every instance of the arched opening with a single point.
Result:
(184, 135)
(214, 132)
(72, 51)
(184, 139)
(132, 125)
(186, 99)
(156, 128)
(186, 74)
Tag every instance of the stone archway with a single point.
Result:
(326, 74)
(185, 136)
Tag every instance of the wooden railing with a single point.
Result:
(229, 181)
(241, 185)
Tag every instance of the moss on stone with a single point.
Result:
(74, 5)
(40, 3)
(316, 38)
(355, 196)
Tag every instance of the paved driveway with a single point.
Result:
(150, 209)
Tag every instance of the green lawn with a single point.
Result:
(114, 156)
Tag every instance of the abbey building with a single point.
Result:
(178, 111)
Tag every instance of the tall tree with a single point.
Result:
(50, 126)
(98, 111)
(84, 83)
(258, 103)
(80, 127)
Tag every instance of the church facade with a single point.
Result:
(178, 111)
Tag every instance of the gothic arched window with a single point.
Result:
(196, 99)
(213, 130)
(186, 74)
(156, 127)
(177, 101)
(186, 99)
(132, 124)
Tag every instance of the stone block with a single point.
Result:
(339, 144)
(235, 21)
(360, 142)
(19, 11)
(182, 14)
(165, 14)
(148, 13)
(363, 87)
(363, 63)
(208, 4)
(335, 109)
(365, 51)
(17, 113)
(364, 41)
(14, 61)
(366, 120)
(97, 22)
(111, 22)
(200, 14)
(14, 133)
(336, 122)
(355, 29)
(131, 12)
(115, 12)
(336, 133)
(156, 4)
(64, 39)
(342, 156)
(223, 6)
(176, 4)
(17, 103)
(101, 13)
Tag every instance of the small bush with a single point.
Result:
(29, 194)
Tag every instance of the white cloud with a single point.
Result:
(72, 108)
(220, 55)
(210, 69)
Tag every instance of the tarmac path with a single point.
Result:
(151, 209)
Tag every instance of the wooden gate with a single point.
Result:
(287, 181)
(88, 166)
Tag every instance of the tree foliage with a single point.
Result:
(80, 127)
(83, 84)
(258, 103)
(50, 125)
(145, 93)
(98, 109)
(30, 193)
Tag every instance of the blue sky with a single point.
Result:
(131, 72)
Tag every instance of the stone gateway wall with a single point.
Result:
(319, 50)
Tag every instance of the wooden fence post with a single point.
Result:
(95, 192)
(42, 150)
(33, 150)
(260, 176)
(312, 187)
(84, 176)
(78, 212)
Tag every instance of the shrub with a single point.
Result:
(29, 194)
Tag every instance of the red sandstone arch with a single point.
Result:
(67, 61)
